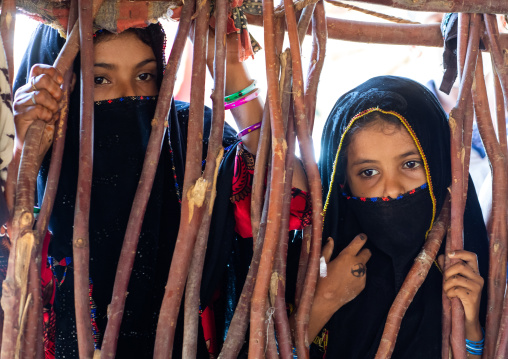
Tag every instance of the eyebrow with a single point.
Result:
(362, 161)
(409, 153)
(145, 62)
(108, 66)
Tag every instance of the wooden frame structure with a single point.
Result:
(264, 287)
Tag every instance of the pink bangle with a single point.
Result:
(249, 129)
(242, 100)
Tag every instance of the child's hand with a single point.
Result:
(346, 274)
(37, 100)
(462, 280)
(345, 279)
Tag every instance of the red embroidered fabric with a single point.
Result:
(300, 210)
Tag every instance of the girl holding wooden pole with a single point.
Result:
(385, 167)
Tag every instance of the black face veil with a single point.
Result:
(355, 330)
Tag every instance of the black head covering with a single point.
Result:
(121, 132)
(355, 330)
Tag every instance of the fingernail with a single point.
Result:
(451, 254)
(363, 236)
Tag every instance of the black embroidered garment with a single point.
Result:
(121, 133)
(396, 228)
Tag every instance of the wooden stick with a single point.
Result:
(192, 206)
(380, 33)
(270, 347)
(497, 53)
(258, 181)
(80, 241)
(446, 350)
(258, 308)
(278, 280)
(150, 164)
(304, 22)
(303, 263)
(14, 286)
(413, 282)
(210, 176)
(238, 327)
(263, 150)
(497, 231)
(472, 6)
(456, 122)
(500, 111)
(34, 330)
(319, 37)
(7, 25)
(306, 149)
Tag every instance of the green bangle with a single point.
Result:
(240, 93)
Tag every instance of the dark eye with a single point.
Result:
(99, 80)
(145, 76)
(412, 164)
(369, 173)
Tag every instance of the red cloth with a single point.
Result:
(300, 210)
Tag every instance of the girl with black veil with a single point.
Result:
(128, 72)
(385, 167)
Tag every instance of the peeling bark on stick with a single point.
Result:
(271, 346)
(497, 231)
(258, 308)
(31, 341)
(263, 150)
(413, 282)
(13, 294)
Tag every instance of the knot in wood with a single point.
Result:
(80, 243)
(26, 219)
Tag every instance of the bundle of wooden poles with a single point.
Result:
(288, 115)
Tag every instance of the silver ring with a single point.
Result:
(33, 98)
(32, 82)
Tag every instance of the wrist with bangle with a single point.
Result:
(475, 347)
(242, 97)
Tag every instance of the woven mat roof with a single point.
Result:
(114, 15)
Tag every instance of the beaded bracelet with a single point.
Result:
(249, 129)
(475, 347)
(241, 100)
(240, 93)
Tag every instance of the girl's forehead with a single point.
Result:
(381, 140)
(122, 48)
